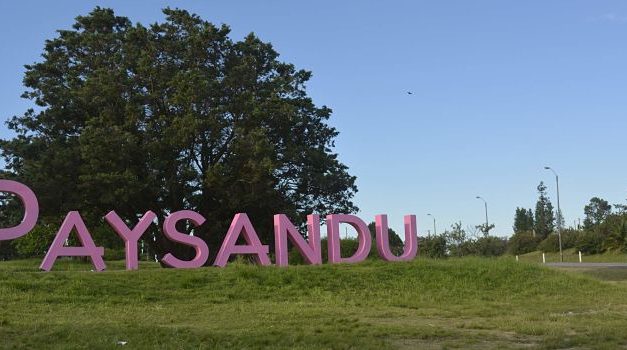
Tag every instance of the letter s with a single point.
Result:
(31, 209)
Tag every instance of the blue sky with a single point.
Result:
(500, 89)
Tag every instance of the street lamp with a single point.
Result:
(559, 212)
(486, 214)
(435, 233)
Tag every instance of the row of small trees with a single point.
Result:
(604, 228)
(459, 242)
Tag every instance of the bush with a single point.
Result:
(433, 246)
(117, 254)
(590, 242)
(550, 244)
(614, 229)
(36, 242)
(462, 249)
(7, 250)
(523, 242)
(569, 238)
(490, 246)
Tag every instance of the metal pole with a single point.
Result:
(559, 218)
(485, 203)
(435, 232)
(559, 212)
(486, 218)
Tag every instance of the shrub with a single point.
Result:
(614, 229)
(550, 244)
(36, 242)
(117, 254)
(569, 238)
(523, 242)
(590, 242)
(490, 246)
(433, 246)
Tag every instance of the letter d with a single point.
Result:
(31, 209)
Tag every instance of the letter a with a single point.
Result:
(283, 229)
(383, 241)
(241, 225)
(72, 221)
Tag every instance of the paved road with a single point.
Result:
(567, 264)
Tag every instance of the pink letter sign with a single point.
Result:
(383, 243)
(169, 230)
(129, 236)
(73, 220)
(283, 228)
(241, 225)
(333, 238)
(31, 209)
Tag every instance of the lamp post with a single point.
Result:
(435, 233)
(559, 212)
(485, 203)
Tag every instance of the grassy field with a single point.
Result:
(426, 304)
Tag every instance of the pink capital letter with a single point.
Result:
(383, 243)
(129, 236)
(333, 238)
(169, 230)
(73, 220)
(283, 228)
(241, 224)
(31, 209)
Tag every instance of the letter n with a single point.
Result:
(72, 221)
(283, 228)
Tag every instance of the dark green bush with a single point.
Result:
(550, 244)
(490, 246)
(523, 242)
(36, 242)
(590, 242)
(433, 246)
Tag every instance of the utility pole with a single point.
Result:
(559, 212)
(485, 203)
(435, 232)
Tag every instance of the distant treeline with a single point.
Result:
(604, 228)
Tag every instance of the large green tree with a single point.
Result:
(544, 217)
(175, 115)
(596, 211)
(523, 220)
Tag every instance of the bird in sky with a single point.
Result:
(409, 93)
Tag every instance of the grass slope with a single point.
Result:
(469, 303)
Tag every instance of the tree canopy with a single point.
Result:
(544, 221)
(596, 212)
(523, 220)
(175, 115)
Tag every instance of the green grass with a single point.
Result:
(454, 303)
(571, 255)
